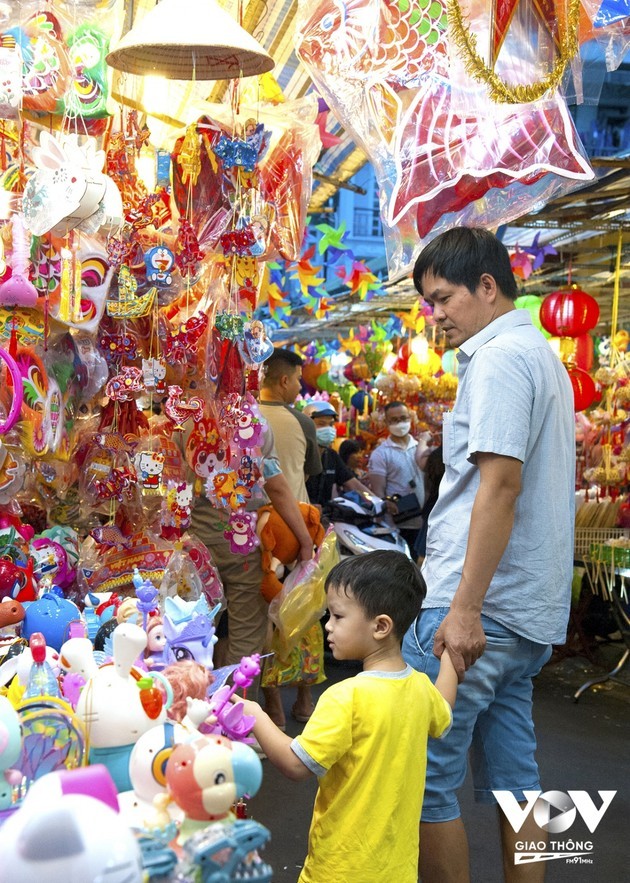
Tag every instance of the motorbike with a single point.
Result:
(361, 525)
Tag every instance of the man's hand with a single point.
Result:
(390, 507)
(461, 633)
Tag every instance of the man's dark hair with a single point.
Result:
(280, 362)
(391, 405)
(382, 582)
(349, 447)
(462, 255)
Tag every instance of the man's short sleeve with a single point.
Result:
(378, 461)
(500, 404)
(270, 461)
(312, 459)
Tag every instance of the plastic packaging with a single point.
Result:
(42, 680)
(385, 72)
(302, 600)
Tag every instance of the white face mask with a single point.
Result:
(400, 430)
(326, 435)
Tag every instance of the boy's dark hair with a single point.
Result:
(280, 362)
(462, 255)
(382, 582)
(349, 447)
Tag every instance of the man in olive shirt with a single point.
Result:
(294, 434)
(298, 453)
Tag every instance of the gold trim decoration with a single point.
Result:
(500, 91)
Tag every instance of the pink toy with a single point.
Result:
(189, 679)
(206, 776)
(18, 393)
(241, 532)
(57, 835)
(10, 748)
(18, 291)
(154, 655)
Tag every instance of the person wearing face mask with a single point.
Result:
(334, 470)
(395, 467)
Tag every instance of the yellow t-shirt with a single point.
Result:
(367, 741)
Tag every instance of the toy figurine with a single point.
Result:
(111, 705)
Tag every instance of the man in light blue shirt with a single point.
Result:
(500, 543)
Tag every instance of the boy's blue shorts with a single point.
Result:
(492, 717)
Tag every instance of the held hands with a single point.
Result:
(462, 634)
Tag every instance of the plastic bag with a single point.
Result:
(302, 601)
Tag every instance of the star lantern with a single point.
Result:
(414, 320)
(307, 273)
(521, 264)
(539, 252)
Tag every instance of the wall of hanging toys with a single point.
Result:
(130, 356)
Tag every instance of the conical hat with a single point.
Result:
(190, 40)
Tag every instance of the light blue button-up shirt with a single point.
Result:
(514, 399)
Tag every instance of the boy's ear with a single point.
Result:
(383, 626)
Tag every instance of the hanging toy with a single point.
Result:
(154, 373)
(69, 287)
(256, 347)
(179, 411)
(241, 532)
(187, 251)
(184, 340)
(129, 304)
(18, 290)
(159, 262)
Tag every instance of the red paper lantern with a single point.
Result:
(583, 352)
(569, 313)
(584, 389)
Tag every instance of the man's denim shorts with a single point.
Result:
(492, 717)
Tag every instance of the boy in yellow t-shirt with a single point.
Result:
(367, 738)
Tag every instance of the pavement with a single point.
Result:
(583, 746)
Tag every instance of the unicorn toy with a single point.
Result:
(189, 630)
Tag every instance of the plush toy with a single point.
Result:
(280, 546)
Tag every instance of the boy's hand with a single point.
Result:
(250, 707)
